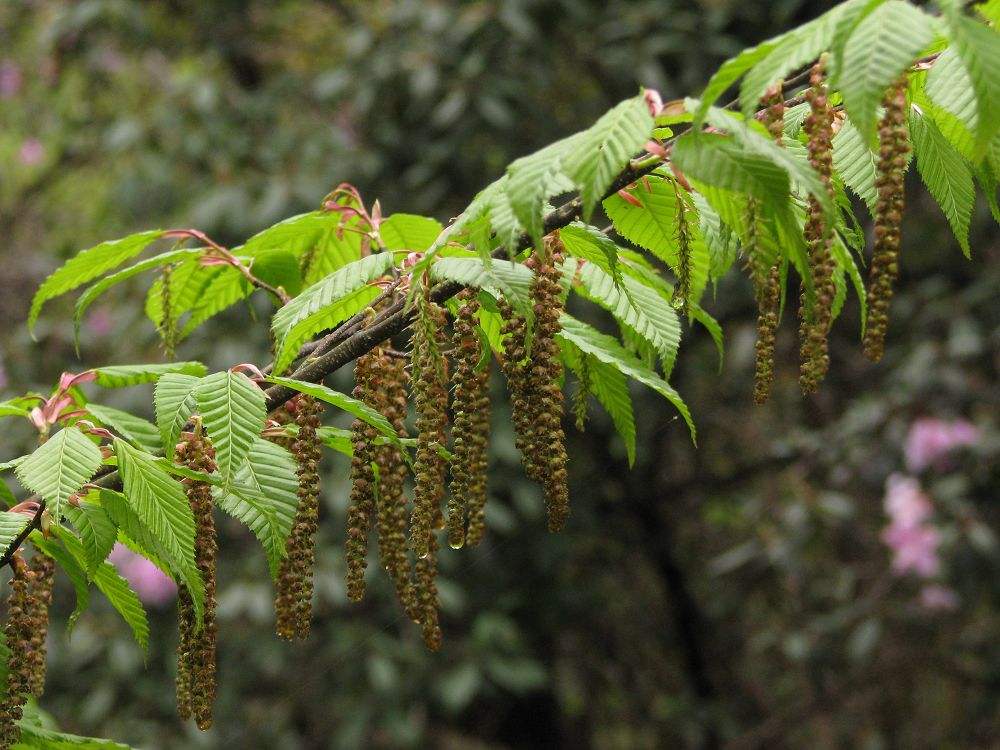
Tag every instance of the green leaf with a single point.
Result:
(97, 533)
(795, 49)
(95, 291)
(510, 278)
(592, 245)
(233, 411)
(143, 434)
(855, 163)
(335, 249)
(946, 174)
(607, 349)
(73, 570)
(533, 179)
(122, 376)
(606, 148)
(40, 738)
(60, 467)
(135, 535)
(325, 304)
(11, 524)
(264, 497)
(978, 46)
(884, 44)
(719, 161)
(88, 265)
(409, 232)
(711, 325)
(174, 401)
(352, 406)
(161, 504)
(645, 311)
(295, 234)
(114, 587)
(17, 407)
(610, 387)
(279, 268)
(188, 281)
(728, 73)
(224, 288)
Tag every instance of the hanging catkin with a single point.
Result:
(894, 149)
(361, 508)
(765, 274)
(547, 371)
(17, 633)
(517, 371)
(815, 319)
(293, 602)
(391, 513)
(425, 585)
(683, 293)
(429, 385)
(43, 569)
(196, 663)
(470, 433)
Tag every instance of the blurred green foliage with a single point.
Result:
(738, 593)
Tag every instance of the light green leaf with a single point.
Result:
(143, 434)
(122, 376)
(114, 587)
(95, 291)
(233, 411)
(73, 570)
(353, 406)
(174, 401)
(883, 45)
(607, 349)
(728, 73)
(11, 524)
(409, 232)
(60, 467)
(279, 268)
(590, 244)
(36, 737)
(88, 265)
(533, 179)
(264, 497)
(721, 162)
(605, 149)
(855, 163)
(224, 288)
(512, 279)
(947, 176)
(325, 304)
(97, 533)
(160, 503)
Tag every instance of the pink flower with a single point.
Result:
(912, 539)
(10, 79)
(935, 597)
(153, 586)
(101, 322)
(32, 152)
(929, 441)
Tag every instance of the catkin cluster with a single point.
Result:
(471, 430)
(196, 678)
(894, 149)
(815, 319)
(429, 386)
(765, 274)
(533, 379)
(293, 601)
(25, 631)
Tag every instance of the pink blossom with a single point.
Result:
(153, 586)
(101, 322)
(32, 152)
(929, 441)
(912, 539)
(10, 79)
(936, 597)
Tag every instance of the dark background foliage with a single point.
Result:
(737, 594)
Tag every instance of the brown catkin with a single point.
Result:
(471, 431)
(517, 371)
(40, 599)
(683, 293)
(425, 584)
(17, 633)
(429, 385)
(547, 371)
(815, 319)
(361, 506)
(765, 274)
(391, 513)
(894, 149)
(196, 662)
(293, 601)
